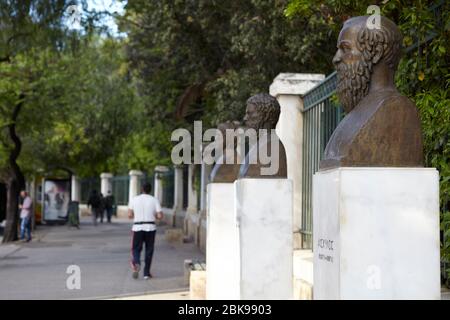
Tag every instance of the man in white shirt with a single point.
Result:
(145, 209)
(25, 216)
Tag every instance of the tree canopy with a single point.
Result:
(201, 60)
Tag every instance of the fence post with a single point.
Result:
(192, 216)
(158, 182)
(289, 89)
(75, 189)
(200, 237)
(134, 184)
(205, 172)
(178, 195)
(105, 183)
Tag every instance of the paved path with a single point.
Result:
(37, 270)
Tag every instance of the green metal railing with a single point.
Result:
(168, 188)
(120, 189)
(320, 117)
(87, 185)
(121, 185)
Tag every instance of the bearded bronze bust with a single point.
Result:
(263, 112)
(226, 169)
(381, 127)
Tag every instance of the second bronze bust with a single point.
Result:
(263, 112)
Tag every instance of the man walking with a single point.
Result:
(109, 205)
(145, 209)
(95, 203)
(25, 216)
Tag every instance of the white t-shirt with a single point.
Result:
(145, 208)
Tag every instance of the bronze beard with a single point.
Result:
(353, 82)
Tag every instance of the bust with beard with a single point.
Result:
(263, 112)
(381, 127)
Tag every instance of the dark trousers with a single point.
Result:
(139, 238)
(101, 213)
(109, 212)
(97, 213)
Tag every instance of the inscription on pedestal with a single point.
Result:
(326, 248)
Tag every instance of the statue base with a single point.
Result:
(376, 233)
(249, 240)
(264, 213)
(222, 248)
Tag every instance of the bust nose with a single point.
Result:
(337, 58)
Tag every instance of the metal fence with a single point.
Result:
(168, 188)
(120, 189)
(87, 186)
(320, 117)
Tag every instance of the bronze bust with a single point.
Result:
(263, 112)
(223, 170)
(381, 127)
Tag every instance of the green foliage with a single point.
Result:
(145, 149)
(445, 249)
(78, 107)
(79, 100)
(424, 76)
(201, 60)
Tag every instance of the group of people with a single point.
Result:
(144, 209)
(100, 204)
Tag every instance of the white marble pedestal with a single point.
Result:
(222, 248)
(376, 233)
(264, 211)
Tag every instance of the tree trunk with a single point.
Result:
(16, 179)
(12, 213)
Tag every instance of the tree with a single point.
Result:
(64, 96)
(26, 25)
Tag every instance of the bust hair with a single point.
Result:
(268, 108)
(376, 44)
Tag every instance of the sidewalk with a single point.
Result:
(37, 270)
(175, 295)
